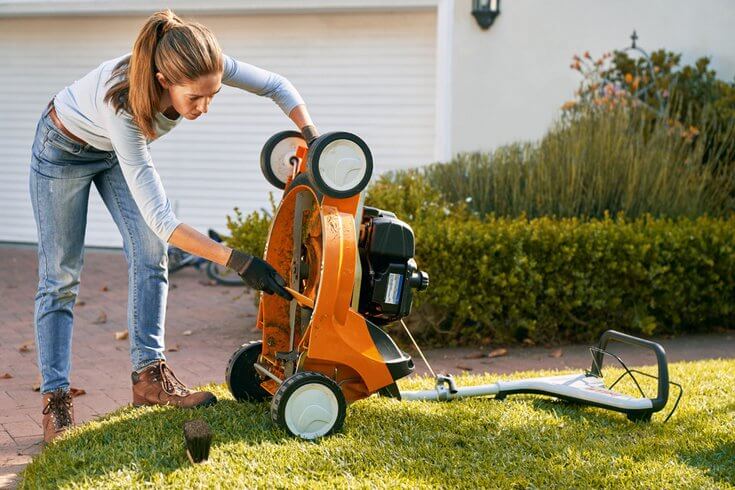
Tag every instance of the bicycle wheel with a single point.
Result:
(176, 259)
(223, 275)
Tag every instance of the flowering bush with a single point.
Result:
(598, 160)
(688, 99)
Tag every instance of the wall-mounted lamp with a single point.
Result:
(485, 11)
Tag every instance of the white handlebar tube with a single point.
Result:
(446, 390)
(577, 387)
(442, 393)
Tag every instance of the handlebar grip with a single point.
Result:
(662, 395)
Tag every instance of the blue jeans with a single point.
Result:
(62, 171)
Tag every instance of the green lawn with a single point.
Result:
(524, 441)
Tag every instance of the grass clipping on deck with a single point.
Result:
(524, 441)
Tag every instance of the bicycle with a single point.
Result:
(179, 259)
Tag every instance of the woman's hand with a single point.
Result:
(300, 116)
(310, 133)
(258, 274)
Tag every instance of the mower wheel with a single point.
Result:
(278, 157)
(309, 405)
(339, 164)
(242, 378)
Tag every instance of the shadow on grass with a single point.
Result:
(718, 462)
(578, 411)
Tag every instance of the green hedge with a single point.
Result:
(551, 279)
(546, 279)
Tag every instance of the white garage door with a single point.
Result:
(369, 73)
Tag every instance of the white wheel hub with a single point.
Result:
(311, 411)
(342, 165)
(281, 157)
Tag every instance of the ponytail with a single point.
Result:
(181, 51)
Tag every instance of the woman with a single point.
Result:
(97, 130)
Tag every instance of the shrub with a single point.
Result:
(250, 233)
(551, 279)
(590, 162)
(689, 98)
(565, 279)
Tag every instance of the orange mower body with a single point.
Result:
(327, 341)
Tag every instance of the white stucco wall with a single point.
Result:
(508, 82)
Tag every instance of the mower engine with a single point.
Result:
(389, 271)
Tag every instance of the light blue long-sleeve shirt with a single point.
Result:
(83, 111)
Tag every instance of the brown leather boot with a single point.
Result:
(158, 385)
(58, 413)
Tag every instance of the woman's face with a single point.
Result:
(192, 99)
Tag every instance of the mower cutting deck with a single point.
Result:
(351, 271)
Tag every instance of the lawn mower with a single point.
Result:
(351, 271)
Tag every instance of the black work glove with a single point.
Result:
(310, 133)
(258, 274)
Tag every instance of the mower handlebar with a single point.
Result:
(662, 394)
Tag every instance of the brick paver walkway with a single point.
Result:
(220, 319)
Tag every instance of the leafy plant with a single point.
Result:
(589, 163)
(689, 99)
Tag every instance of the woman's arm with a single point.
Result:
(267, 84)
(145, 185)
(189, 239)
(137, 168)
(300, 116)
(256, 272)
(263, 83)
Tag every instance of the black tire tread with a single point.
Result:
(259, 394)
(315, 150)
(265, 155)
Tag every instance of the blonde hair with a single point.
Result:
(182, 51)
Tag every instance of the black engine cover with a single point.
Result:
(389, 271)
